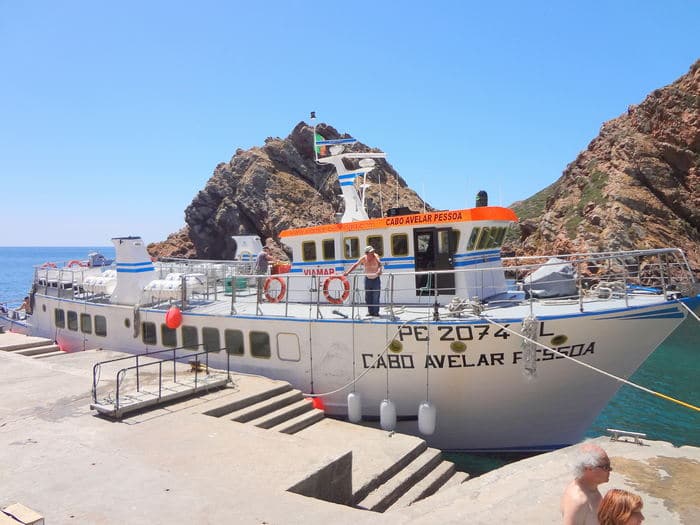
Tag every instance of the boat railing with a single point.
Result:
(198, 361)
(595, 276)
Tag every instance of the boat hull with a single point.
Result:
(471, 369)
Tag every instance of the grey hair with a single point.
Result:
(587, 456)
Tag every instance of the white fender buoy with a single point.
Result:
(354, 407)
(427, 418)
(387, 415)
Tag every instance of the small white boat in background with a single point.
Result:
(474, 351)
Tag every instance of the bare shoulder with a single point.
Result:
(574, 503)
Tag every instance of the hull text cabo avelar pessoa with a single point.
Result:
(470, 349)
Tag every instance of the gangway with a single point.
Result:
(154, 380)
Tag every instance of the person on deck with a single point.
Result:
(26, 306)
(262, 267)
(373, 283)
(581, 498)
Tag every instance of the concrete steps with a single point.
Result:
(261, 408)
(443, 476)
(244, 398)
(279, 408)
(392, 489)
(295, 424)
(283, 414)
(37, 350)
(29, 346)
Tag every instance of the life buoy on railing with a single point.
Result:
(343, 296)
(76, 262)
(280, 295)
(48, 265)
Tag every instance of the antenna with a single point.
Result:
(381, 204)
(313, 122)
(397, 191)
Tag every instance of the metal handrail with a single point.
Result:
(138, 366)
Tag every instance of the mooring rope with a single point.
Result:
(617, 378)
(371, 367)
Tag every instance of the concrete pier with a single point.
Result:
(205, 460)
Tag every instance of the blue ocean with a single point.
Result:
(673, 370)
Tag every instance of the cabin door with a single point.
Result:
(434, 250)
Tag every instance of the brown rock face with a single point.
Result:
(278, 186)
(637, 185)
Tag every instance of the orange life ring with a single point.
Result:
(76, 262)
(266, 289)
(48, 265)
(346, 289)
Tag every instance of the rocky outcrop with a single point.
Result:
(177, 244)
(265, 190)
(637, 185)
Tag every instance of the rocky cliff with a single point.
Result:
(267, 189)
(637, 185)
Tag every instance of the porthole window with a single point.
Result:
(234, 342)
(72, 320)
(328, 246)
(148, 333)
(100, 325)
(43, 307)
(376, 242)
(127, 322)
(211, 340)
(260, 344)
(351, 247)
(86, 323)
(190, 338)
(59, 318)
(399, 244)
(168, 336)
(308, 251)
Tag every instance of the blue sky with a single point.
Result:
(113, 115)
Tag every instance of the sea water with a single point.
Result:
(673, 369)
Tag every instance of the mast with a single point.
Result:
(354, 204)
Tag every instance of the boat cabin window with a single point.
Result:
(148, 333)
(352, 247)
(328, 249)
(210, 338)
(491, 237)
(308, 251)
(376, 242)
(190, 339)
(101, 325)
(399, 244)
(234, 342)
(85, 323)
(260, 344)
(473, 238)
(486, 237)
(72, 321)
(168, 336)
(59, 318)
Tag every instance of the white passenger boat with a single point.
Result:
(475, 351)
